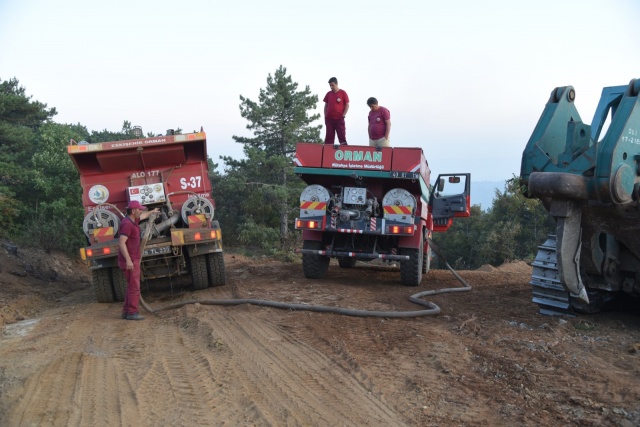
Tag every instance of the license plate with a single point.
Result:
(406, 175)
(158, 251)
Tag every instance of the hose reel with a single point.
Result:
(100, 218)
(399, 205)
(196, 206)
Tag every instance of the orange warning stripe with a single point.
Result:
(400, 210)
(315, 206)
(196, 219)
(103, 231)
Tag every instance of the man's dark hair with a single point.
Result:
(372, 101)
(333, 80)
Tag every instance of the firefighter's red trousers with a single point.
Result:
(132, 296)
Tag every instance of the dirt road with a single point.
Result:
(487, 359)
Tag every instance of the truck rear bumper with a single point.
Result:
(375, 226)
(353, 255)
(157, 248)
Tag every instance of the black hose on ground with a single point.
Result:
(466, 287)
(432, 309)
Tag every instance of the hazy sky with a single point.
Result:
(465, 80)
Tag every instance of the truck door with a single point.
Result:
(450, 198)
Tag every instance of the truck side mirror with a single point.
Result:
(440, 184)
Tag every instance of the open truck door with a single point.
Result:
(450, 198)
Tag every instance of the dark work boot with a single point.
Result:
(135, 316)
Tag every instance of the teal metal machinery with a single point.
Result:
(588, 177)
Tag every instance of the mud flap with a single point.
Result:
(568, 215)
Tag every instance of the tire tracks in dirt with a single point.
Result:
(179, 377)
(194, 366)
(280, 377)
(79, 385)
(488, 359)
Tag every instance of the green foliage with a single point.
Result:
(243, 196)
(260, 236)
(55, 176)
(459, 244)
(511, 209)
(52, 216)
(511, 230)
(280, 118)
(8, 210)
(127, 132)
(256, 197)
(20, 119)
(261, 191)
(55, 225)
(40, 193)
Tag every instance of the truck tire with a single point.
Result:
(119, 284)
(411, 270)
(314, 266)
(215, 268)
(101, 281)
(346, 262)
(199, 272)
(426, 263)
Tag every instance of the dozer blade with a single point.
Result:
(568, 215)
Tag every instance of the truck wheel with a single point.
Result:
(199, 272)
(101, 281)
(346, 262)
(215, 268)
(119, 284)
(411, 270)
(426, 262)
(314, 266)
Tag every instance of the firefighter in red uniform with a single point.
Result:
(129, 257)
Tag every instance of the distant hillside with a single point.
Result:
(483, 192)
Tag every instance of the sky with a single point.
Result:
(464, 80)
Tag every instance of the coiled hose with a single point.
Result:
(432, 308)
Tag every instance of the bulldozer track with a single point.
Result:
(548, 291)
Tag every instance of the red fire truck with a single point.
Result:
(371, 203)
(168, 172)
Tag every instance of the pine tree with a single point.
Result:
(20, 120)
(264, 180)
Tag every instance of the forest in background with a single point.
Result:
(41, 198)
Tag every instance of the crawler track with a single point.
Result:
(548, 292)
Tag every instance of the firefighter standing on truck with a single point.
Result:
(379, 124)
(336, 105)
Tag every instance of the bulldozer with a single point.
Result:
(588, 178)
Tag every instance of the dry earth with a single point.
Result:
(489, 359)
